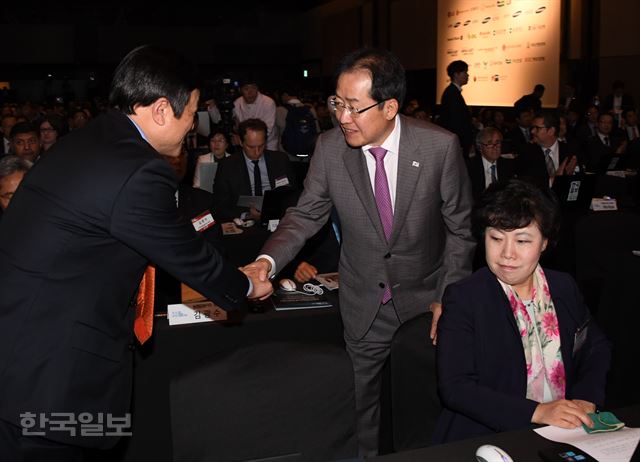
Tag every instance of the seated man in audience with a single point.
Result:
(25, 141)
(12, 171)
(489, 166)
(546, 158)
(250, 174)
(520, 136)
(604, 150)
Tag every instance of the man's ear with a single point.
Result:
(160, 111)
(391, 108)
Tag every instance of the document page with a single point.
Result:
(615, 446)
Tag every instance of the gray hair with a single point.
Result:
(484, 134)
(12, 164)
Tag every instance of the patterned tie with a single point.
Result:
(494, 177)
(551, 169)
(383, 201)
(143, 323)
(257, 179)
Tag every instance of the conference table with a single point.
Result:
(521, 445)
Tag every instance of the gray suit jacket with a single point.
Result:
(431, 243)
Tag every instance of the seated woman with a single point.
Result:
(218, 143)
(516, 345)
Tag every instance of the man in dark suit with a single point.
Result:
(102, 206)
(532, 100)
(487, 166)
(545, 158)
(403, 197)
(520, 136)
(250, 173)
(454, 113)
(605, 150)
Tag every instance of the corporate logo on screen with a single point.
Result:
(541, 9)
(534, 59)
(457, 37)
(512, 60)
(511, 45)
(472, 36)
(467, 22)
(538, 27)
(517, 13)
(487, 50)
(467, 51)
(452, 53)
(536, 44)
(485, 34)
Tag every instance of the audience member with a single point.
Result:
(254, 105)
(251, 173)
(454, 113)
(297, 124)
(545, 158)
(532, 100)
(604, 149)
(520, 136)
(618, 101)
(218, 144)
(12, 171)
(516, 344)
(25, 141)
(488, 167)
(51, 128)
(7, 123)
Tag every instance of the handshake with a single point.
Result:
(258, 274)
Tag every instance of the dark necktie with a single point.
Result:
(606, 141)
(257, 179)
(551, 169)
(494, 177)
(383, 201)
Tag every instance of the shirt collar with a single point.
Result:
(392, 143)
(139, 129)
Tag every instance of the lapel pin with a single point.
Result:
(415, 164)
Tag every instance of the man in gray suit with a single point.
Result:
(403, 197)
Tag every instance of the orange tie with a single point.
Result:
(143, 324)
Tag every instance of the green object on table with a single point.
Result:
(603, 422)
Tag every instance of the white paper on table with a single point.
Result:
(615, 446)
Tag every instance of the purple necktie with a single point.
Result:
(383, 201)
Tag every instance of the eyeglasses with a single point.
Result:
(338, 106)
(537, 127)
(492, 145)
(46, 130)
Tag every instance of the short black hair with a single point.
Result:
(388, 78)
(551, 119)
(456, 66)
(219, 131)
(539, 87)
(24, 127)
(56, 122)
(148, 73)
(516, 204)
(256, 125)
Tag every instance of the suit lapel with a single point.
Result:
(410, 163)
(269, 163)
(356, 166)
(246, 183)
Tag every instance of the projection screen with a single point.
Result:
(509, 45)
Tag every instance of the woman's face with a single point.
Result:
(513, 255)
(218, 144)
(48, 134)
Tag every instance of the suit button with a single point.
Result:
(387, 255)
(381, 284)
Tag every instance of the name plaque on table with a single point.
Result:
(195, 308)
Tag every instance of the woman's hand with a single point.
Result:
(563, 413)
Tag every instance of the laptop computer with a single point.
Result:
(575, 191)
(276, 202)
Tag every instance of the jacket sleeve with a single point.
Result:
(145, 218)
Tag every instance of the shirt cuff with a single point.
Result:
(250, 286)
(272, 273)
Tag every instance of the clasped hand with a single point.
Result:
(258, 273)
(564, 413)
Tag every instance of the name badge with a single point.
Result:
(605, 204)
(284, 181)
(203, 222)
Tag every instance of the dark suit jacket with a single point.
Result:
(232, 181)
(482, 378)
(505, 171)
(531, 165)
(433, 199)
(455, 117)
(599, 156)
(517, 141)
(627, 102)
(73, 247)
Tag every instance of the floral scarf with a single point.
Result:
(542, 350)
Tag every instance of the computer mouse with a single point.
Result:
(490, 453)
(288, 285)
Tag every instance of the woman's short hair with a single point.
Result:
(218, 131)
(516, 204)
